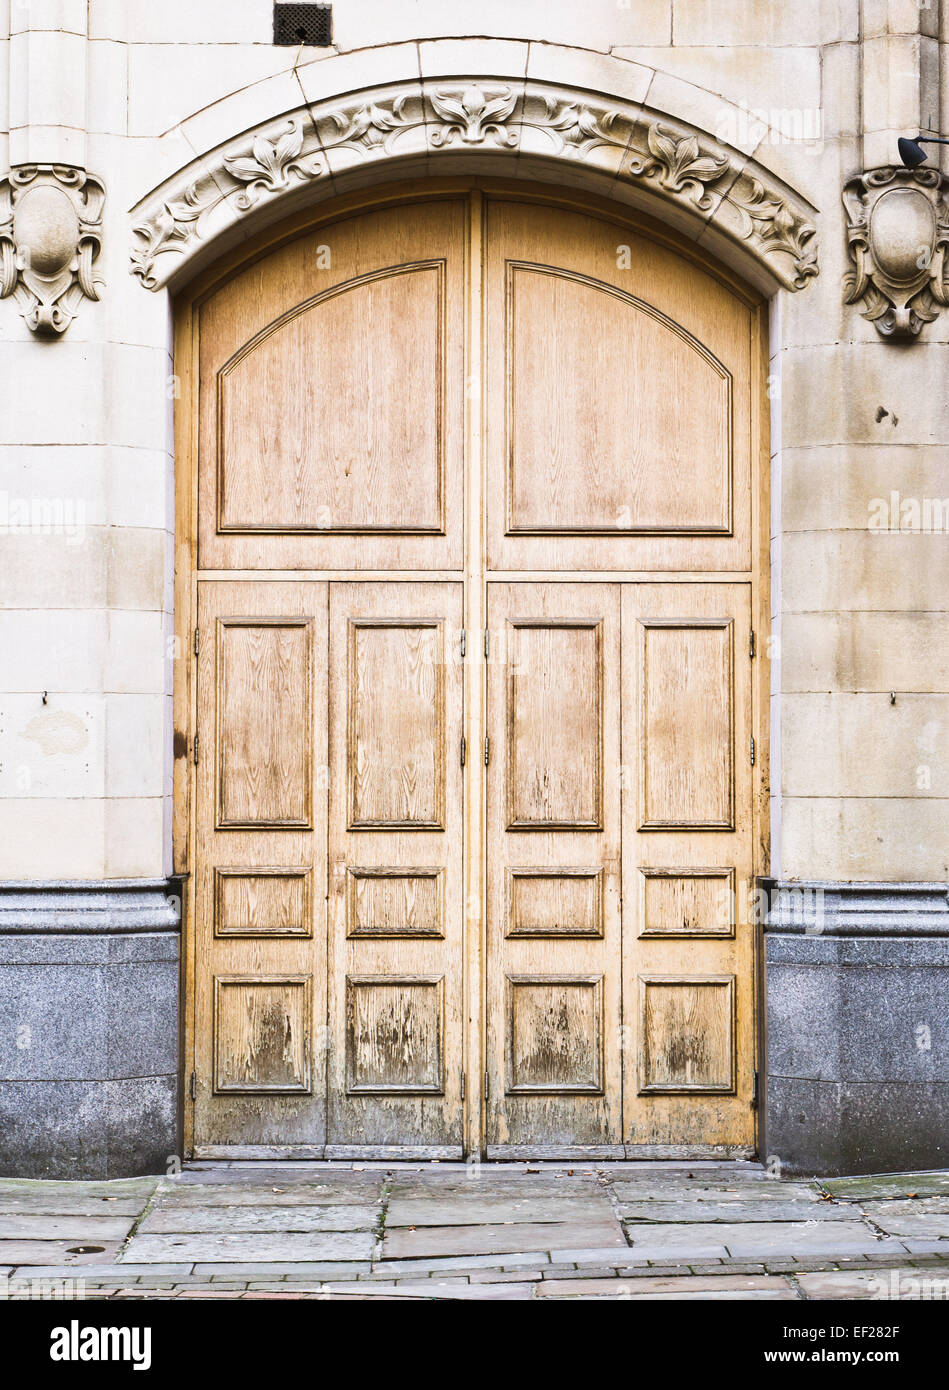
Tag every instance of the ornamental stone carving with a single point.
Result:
(898, 232)
(532, 121)
(679, 165)
(50, 235)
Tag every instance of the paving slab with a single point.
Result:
(929, 1184)
(329, 1193)
(928, 1216)
(171, 1218)
(488, 1185)
(38, 1187)
(252, 1247)
(66, 1253)
(504, 1259)
(831, 1238)
(710, 1285)
(713, 1210)
(462, 1292)
(471, 1209)
(763, 1240)
(63, 1204)
(123, 1272)
(679, 1189)
(894, 1283)
(87, 1230)
(303, 1269)
(924, 1245)
(493, 1239)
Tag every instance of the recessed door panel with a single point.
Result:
(593, 445)
(618, 422)
(365, 452)
(331, 402)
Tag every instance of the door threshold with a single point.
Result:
(282, 1153)
(612, 1153)
(495, 1153)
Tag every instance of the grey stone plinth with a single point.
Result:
(857, 1027)
(88, 1028)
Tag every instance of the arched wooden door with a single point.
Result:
(473, 576)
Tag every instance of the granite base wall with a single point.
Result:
(89, 1007)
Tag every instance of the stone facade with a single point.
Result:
(142, 141)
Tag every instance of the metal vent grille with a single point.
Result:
(307, 24)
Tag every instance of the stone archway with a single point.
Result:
(613, 146)
(724, 202)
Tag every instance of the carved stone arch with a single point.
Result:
(613, 146)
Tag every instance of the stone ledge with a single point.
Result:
(819, 909)
(92, 907)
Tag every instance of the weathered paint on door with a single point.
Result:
(474, 796)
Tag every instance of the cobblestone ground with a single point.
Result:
(455, 1231)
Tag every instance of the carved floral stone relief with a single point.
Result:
(621, 139)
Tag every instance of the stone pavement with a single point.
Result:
(479, 1231)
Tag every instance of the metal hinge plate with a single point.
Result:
(194, 1086)
(195, 749)
(754, 1093)
(751, 644)
(462, 1085)
(752, 751)
(487, 751)
(197, 641)
(464, 749)
(464, 641)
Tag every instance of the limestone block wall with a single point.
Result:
(134, 91)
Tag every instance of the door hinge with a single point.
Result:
(196, 750)
(751, 644)
(486, 1083)
(464, 747)
(487, 641)
(752, 751)
(464, 641)
(194, 1086)
(754, 1093)
(462, 1085)
(487, 750)
(197, 641)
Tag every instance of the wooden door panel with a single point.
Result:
(260, 935)
(331, 404)
(688, 863)
(332, 470)
(553, 825)
(592, 446)
(687, 754)
(619, 410)
(395, 808)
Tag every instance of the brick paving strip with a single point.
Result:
(480, 1232)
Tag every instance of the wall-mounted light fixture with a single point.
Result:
(910, 152)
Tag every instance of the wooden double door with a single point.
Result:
(471, 776)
